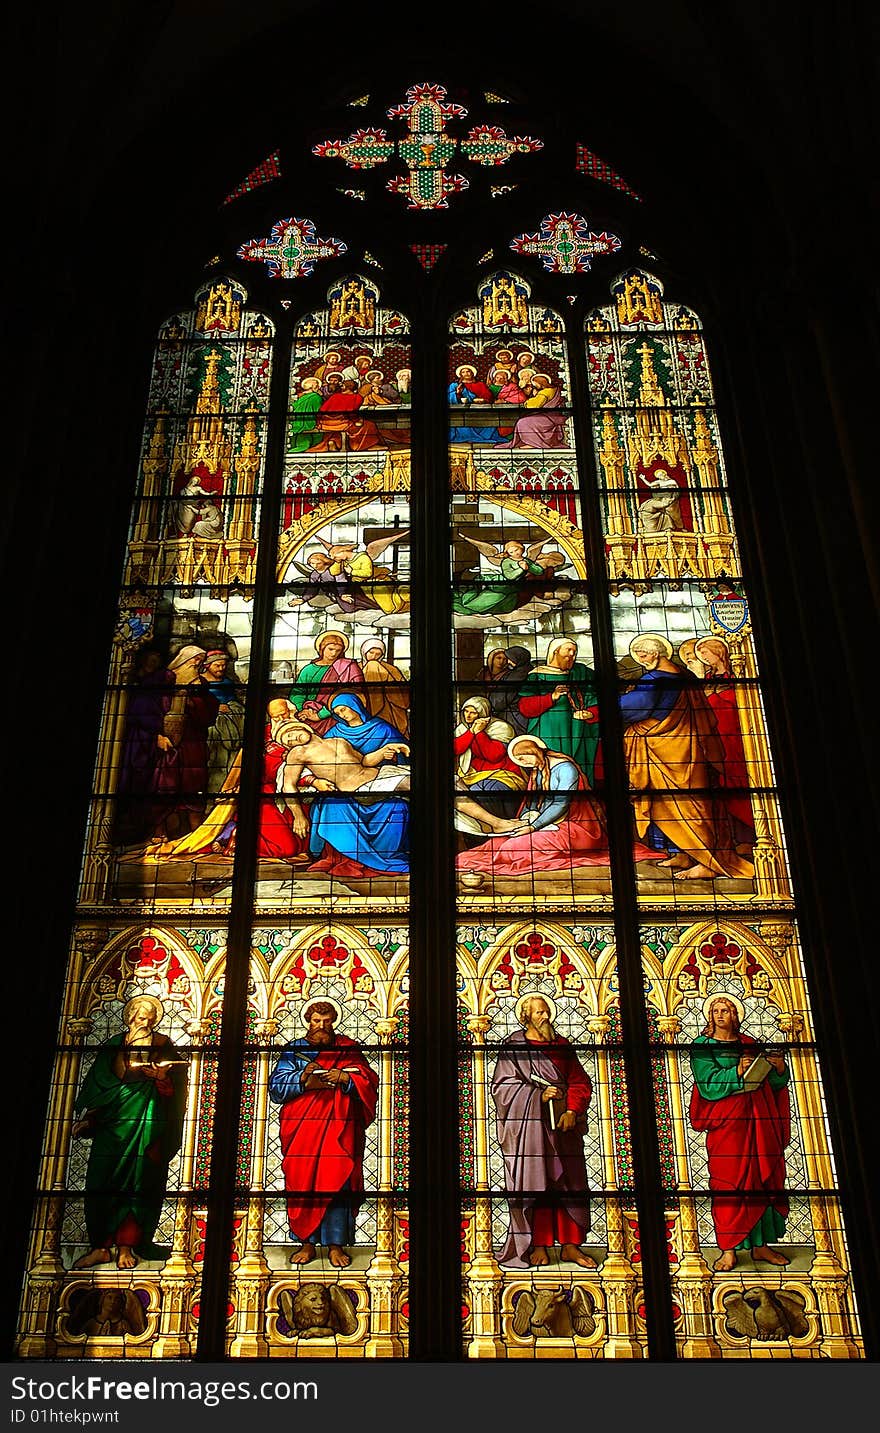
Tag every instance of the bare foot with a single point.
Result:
(94, 1256)
(765, 1255)
(695, 873)
(539, 1256)
(126, 1258)
(726, 1262)
(338, 1257)
(675, 862)
(571, 1254)
(304, 1254)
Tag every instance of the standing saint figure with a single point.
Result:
(747, 1123)
(386, 692)
(181, 774)
(541, 1093)
(675, 760)
(558, 700)
(133, 1101)
(327, 1092)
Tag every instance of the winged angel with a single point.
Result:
(347, 576)
(509, 595)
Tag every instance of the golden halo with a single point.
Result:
(535, 995)
(723, 995)
(325, 636)
(320, 1000)
(151, 1000)
(655, 637)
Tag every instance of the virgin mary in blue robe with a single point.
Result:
(372, 830)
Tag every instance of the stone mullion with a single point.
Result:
(435, 1253)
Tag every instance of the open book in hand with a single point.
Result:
(756, 1073)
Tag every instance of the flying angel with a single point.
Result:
(356, 563)
(517, 560)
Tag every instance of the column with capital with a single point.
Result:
(484, 1279)
(252, 1271)
(828, 1272)
(617, 1274)
(383, 1273)
(693, 1280)
(179, 1273)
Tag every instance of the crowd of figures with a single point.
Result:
(130, 1108)
(331, 409)
(526, 747)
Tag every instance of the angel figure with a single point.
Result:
(518, 564)
(357, 565)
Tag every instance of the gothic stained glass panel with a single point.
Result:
(756, 1232)
(123, 1181)
(319, 1257)
(531, 837)
(754, 1227)
(122, 1231)
(339, 704)
(544, 1234)
(324, 1268)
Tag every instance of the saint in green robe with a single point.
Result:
(135, 1132)
(555, 723)
(303, 423)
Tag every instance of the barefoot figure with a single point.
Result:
(541, 1093)
(740, 1099)
(133, 1101)
(327, 1093)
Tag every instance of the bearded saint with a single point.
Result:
(327, 1093)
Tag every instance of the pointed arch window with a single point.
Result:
(435, 985)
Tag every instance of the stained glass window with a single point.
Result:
(433, 730)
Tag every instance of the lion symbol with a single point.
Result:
(317, 1310)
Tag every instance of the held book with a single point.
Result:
(554, 1109)
(756, 1073)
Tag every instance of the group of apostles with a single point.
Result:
(131, 1105)
(337, 406)
(327, 415)
(511, 379)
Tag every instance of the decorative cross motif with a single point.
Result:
(292, 249)
(488, 144)
(427, 148)
(564, 244)
(362, 150)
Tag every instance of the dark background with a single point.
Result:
(751, 131)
